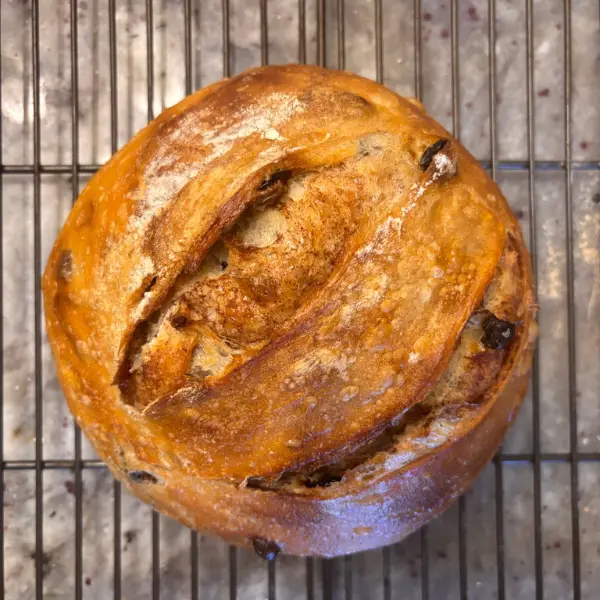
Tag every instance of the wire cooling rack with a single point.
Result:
(517, 81)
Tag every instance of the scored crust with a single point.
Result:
(269, 311)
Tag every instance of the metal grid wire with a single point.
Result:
(323, 578)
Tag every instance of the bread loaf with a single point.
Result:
(293, 311)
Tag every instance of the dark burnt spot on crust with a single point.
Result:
(151, 285)
(439, 161)
(270, 190)
(266, 549)
(324, 481)
(321, 478)
(254, 483)
(179, 321)
(64, 270)
(430, 152)
(142, 477)
(497, 334)
(278, 176)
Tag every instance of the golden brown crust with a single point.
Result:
(265, 284)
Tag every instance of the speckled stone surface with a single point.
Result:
(439, 543)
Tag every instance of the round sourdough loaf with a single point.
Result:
(293, 311)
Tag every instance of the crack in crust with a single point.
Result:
(319, 234)
(457, 398)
